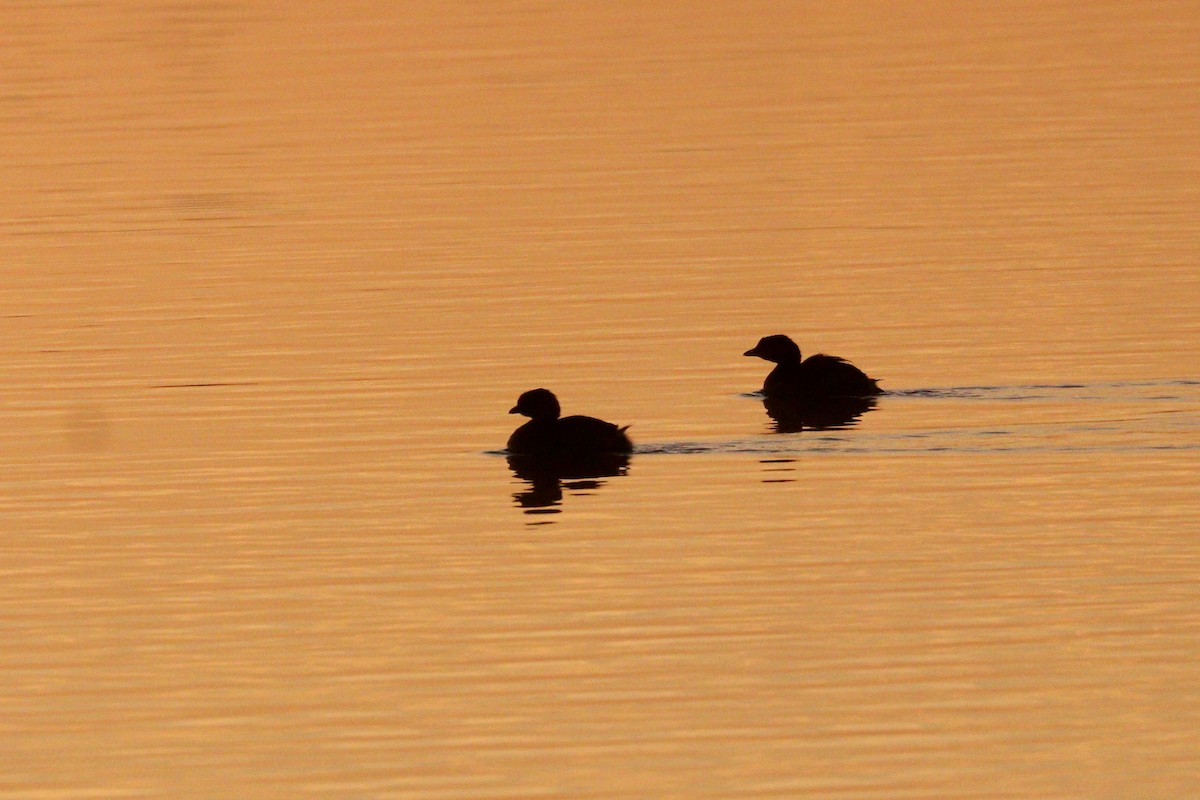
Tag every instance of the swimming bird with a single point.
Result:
(549, 435)
(814, 377)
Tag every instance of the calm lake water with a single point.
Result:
(273, 276)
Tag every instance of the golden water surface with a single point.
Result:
(273, 273)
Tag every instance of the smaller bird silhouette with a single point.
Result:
(550, 435)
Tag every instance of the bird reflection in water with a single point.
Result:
(795, 414)
(549, 476)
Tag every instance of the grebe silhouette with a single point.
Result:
(818, 376)
(547, 435)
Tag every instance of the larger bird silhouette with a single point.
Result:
(550, 436)
(815, 377)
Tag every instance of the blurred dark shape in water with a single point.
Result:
(87, 429)
(549, 476)
(795, 414)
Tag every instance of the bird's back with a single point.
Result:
(820, 376)
(569, 436)
(837, 377)
(580, 433)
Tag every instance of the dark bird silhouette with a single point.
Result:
(812, 377)
(574, 438)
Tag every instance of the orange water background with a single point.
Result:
(273, 275)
